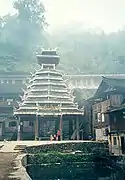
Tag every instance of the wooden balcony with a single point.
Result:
(105, 105)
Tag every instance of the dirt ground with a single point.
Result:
(6, 164)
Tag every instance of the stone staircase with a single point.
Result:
(20, 148)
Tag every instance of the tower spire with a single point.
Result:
(48, 57)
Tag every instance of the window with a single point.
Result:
(24, 81)
(103, 118)
(1, 124)
(25, 123)
(9, 101)
(12, 124)
(30, 123)
(19, 81)
(114, 141)
(10, 81)
(95, 116)
(13, 81)
(116, 100)
(5, 81)
(114, 119)
(99, 117)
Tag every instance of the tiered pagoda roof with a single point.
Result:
(47, 93)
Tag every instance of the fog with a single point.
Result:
(105, 14)
(89, 34)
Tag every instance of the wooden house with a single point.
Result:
(116, 133)
(10, 89)
(109, 95)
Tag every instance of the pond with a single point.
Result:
(74, 171)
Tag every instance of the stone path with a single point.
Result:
(6, 164)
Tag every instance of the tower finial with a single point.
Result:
(48, 57)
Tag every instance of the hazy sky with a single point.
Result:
(106, 14)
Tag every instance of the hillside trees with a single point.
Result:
(22, 34)
(91, 51)
(82, 51)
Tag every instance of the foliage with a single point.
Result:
(91, 51)
(56, 157)
(22, 34)
(81, 95)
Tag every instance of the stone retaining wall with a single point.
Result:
(99, 148)
(85, 147)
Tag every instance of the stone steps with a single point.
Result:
(20, 147)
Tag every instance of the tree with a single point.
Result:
(22, 33)
(31, 20)
(91, 52)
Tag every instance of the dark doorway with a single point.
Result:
(123, 145)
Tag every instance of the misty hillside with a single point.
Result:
(82, 50)
(91, 51)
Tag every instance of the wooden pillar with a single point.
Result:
(19, 129)
(2, 127)
(61, 126)
(77, 127)
(70, 127)
(82, 134)
(74, 125)
(36, 128)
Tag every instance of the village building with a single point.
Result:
(107, 112)
(116, 132)
(47, 104)
(10, 90)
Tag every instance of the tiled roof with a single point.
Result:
(110, 84)
(47, 93)
(115, 82)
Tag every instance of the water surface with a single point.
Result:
(76, 171)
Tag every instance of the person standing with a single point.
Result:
(58, 135)
(54, 137)
(51, 137)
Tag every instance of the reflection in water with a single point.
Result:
(76, 171)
